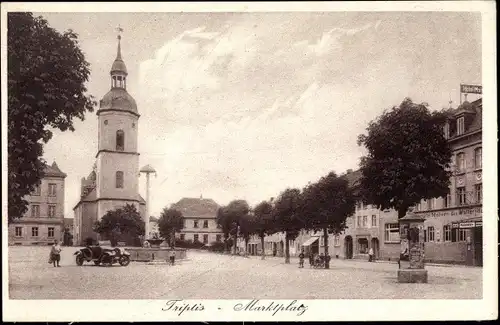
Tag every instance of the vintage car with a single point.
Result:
(106, 256)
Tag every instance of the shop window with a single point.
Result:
(391, 232)
(478, 158)
(447, 233)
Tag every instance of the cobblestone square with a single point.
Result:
(212, 276)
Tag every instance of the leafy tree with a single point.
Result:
(234, 212)
(247, 225)
(328, 203)
(47, 72)
(225, 224)
(171, 221)
(263, 218)
(122, 221)
(407, 159)
(288, 216)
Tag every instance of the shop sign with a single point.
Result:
(454, 225)
(479, 223)
(467, 224)
(471, 89)
(471, 212)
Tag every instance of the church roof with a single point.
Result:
(53, 171)
(118, 64)
(118, 99)
(196, 207)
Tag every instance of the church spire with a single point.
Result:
(118, 69)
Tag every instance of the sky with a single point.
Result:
(245, 105)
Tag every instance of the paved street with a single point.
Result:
(211, 276)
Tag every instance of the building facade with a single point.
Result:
(114, 180)
(44, 220)
(200, 220)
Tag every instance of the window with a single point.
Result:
(183, 237)
(460, 126)
(195, 224)
(52, 189)
(205, 239)
(359, 221)
(35, 211)
(205, 223)
(430, 233)
(36, 192)
(447, 200)
(195, 237)
(52, 211)
(218, 238)
(446, 131)
(51, 232)
(363, 246)
(120, 140)
(391, 232)
(478, 158)
(374, 221)
(461, 196)
(478, 189)
(336, 240)
(19, 231)
(119, 179)
(461, 162)
(462, 234)
(34, 231)
(447, 233)
(365, 221)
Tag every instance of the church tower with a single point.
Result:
(117, 158)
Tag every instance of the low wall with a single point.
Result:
(142, 254)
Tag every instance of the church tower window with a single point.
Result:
(120, 140)
(119, 179)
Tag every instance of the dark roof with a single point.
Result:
(474, 110)
(53, 171)
(193, 207)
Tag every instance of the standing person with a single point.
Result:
(172, 257)
(55, 253)
(370, 255)
(301, 259)
(311, 259)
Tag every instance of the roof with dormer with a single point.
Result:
(53, 171)
(475, 112)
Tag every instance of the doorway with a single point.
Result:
(348, 247)
(375, 247)
(478, 246)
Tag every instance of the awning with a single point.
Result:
(310, 241)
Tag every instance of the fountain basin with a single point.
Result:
(142, 254)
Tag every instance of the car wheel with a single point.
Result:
(124, 260)
(79, 260)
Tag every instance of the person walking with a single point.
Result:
(370, 255)
(311, 259)
(172, 257)
(55, 253)
(301, 259)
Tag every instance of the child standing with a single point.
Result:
(55, 253)
(301, 259)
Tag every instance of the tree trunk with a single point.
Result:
(262, 244)
(287, 249)
(173, 239)
(327, 260)
(246, 245)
